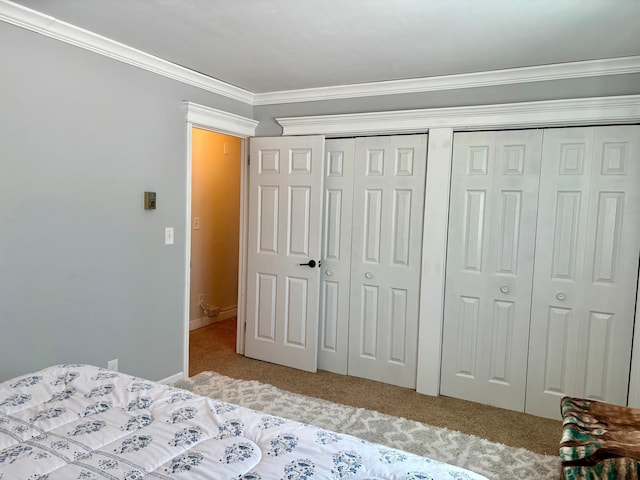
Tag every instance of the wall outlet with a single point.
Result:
(113, 365)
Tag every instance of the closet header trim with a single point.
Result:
(548, 113)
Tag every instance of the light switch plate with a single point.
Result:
(168, 236)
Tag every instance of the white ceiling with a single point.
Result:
(277, 45)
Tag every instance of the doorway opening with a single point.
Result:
(215, 233)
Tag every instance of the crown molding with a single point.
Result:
(220, 121)
(38, 22)
(47, 25)
(549, 113)
(559, 71)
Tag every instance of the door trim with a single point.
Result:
(218, 121)
(441, 123)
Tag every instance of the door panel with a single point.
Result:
(586, 267)
(268, 219)
(388, 200)
(336, 257)
(489, 273)
(285, 202)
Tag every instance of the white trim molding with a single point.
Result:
(224, 314)
(633, 399)
(219, 120)
(548, 113)
(173, 379)
(434, 255)
(540, 73)
(207, 118)
(49, 26)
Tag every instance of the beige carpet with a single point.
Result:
(212, 348)
(493, 460)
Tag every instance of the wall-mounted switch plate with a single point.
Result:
(149, 200)
(168, 236)
(196, 223)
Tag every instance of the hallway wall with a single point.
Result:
(215, 202)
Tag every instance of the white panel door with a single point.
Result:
(389, 179)
(588, 242)
(336, 255)
(489, 273)
(285, 201)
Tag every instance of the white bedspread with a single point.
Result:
(83, 422)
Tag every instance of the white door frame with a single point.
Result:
(207, 118)
(441, 123)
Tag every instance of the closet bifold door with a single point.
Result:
(388, 201)
(335, 274)
(489, 272)
(588, 243)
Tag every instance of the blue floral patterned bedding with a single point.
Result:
(83, 422)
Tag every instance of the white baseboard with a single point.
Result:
(204, 321)
(172, 379)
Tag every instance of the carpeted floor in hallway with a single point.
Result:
(213, 348)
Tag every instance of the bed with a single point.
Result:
(84, 422)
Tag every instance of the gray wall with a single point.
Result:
(84, 272)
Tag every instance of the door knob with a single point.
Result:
(329, 273)
(504, 289)
(310, 263)
(560, 296)
(368, 275)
